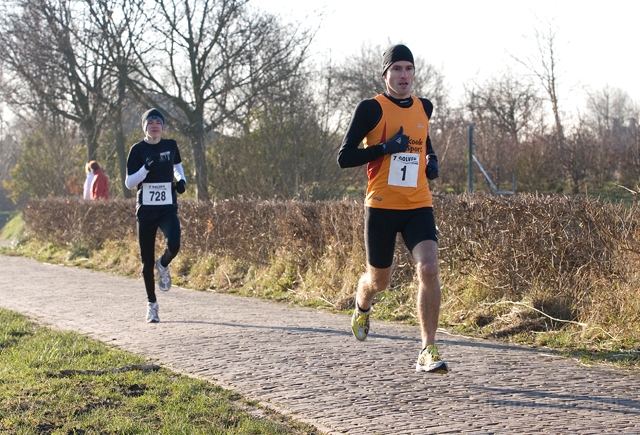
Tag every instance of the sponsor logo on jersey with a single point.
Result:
(415, 145)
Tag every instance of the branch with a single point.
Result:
(584, 325)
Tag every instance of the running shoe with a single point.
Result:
(429, 361)
(360, 323)
(164, 278)
(152, 312)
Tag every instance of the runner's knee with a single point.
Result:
(173, 249)
(427, 270)
(376, 281)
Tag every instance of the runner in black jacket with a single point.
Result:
(152, 166)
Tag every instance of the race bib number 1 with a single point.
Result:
(156, 194)
(403, 170)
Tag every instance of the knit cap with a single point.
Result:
(395, 53)
(151, 115)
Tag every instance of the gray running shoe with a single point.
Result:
(152, 312)
(164, 278)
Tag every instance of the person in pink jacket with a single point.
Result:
(100, 183)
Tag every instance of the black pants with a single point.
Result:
(148, 224)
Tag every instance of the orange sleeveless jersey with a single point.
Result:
(393, 181)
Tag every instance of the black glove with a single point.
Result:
(432, 167)
(397, 144)
(181, 186)
(152, 161)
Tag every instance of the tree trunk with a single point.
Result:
(90, 132)
(121, 140)
(197, 134)
(200, 168)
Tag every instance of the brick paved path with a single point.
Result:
(306, 363)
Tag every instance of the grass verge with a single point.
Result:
(54, 382)
(13, 228)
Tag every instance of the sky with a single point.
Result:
(597, 42)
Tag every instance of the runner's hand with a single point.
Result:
(181, 186)
(151, 162)
(432, 167)
(397, 144)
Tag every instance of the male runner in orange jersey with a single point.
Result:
(394, 128)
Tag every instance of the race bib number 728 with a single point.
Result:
(156, 194)
(403, 170)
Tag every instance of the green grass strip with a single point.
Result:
(54, 382)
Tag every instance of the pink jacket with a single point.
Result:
(99, 185)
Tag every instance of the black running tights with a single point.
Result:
(167, 220)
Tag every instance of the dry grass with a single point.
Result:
(509, 265)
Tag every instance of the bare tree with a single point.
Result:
(584, 160)
(118, 23)
(508, 103)
(44, 43)
(9, 150)
(504, 111)
(608, 106)
(206, 62)
(49, 162)
(291, 149)
(450, 141)
(612, 118)
(566, 153)
(544, 67)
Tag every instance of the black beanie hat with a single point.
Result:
(149, 115)
(395, 53)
